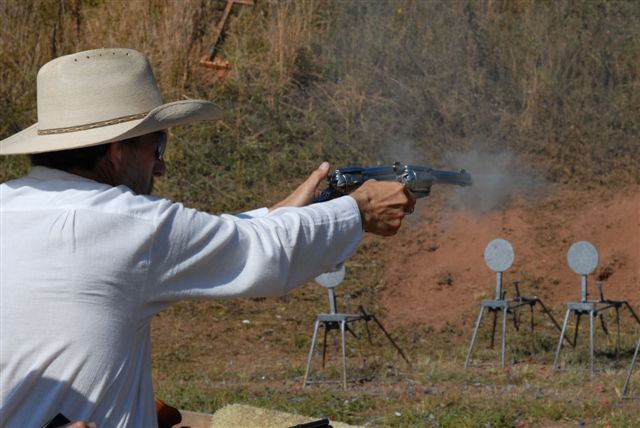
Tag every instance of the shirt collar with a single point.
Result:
(44, 173)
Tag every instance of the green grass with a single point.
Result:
(214, 358)
(428, 394)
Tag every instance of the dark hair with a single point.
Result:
(85, 158)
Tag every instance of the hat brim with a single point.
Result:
(161, 117)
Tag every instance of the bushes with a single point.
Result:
(355, 82)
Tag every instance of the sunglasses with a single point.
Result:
(161, 144)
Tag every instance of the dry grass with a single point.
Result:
(363, 81)
(556, 83)
(236, 415)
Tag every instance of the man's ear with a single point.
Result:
(115, 155)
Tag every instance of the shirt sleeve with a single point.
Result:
(260, 212)
(198, 255)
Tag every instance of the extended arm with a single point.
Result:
(382, 204)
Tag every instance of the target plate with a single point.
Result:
(582, 257)
(499, 255)
(331, 279)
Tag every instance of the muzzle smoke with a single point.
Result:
(498, 178)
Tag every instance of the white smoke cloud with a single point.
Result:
(497, 177)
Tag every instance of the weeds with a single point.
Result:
(356, 82)
(359, 82)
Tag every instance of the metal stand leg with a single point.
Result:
(313, 344)
(324, 345)
(603, 323)
(395, 345)
(493, 327)
(533, 323)
(366, 327)
(564, 328)
(633, 314)
(473, 337)
(575, 333)
(343, 325)
(625, 388)
(504, 335)
(618, 335)
(592, 339)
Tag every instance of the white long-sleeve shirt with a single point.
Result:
(84, 267)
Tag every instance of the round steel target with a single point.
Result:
(582, 257)
(331, 279)
(499, 255)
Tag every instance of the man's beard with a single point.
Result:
(136, 180)
(139, 184)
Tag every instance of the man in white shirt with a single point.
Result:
(87, 257)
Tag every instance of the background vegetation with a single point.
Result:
(355, 82)
(358, 81)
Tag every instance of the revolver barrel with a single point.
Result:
(417, 178)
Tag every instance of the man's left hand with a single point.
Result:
(305, 192)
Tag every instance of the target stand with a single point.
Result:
(340, 321)
(582, 257)
(499, 256)
(627, 382)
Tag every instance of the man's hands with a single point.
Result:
(305, 192)
(383, 205)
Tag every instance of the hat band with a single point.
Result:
(92, 125)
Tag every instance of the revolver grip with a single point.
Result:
(327, 194)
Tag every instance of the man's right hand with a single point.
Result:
(383, 205)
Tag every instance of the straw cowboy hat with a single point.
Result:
(100, 96)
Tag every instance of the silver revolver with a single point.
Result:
(417, 178)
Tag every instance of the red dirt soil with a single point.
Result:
(436, 274)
